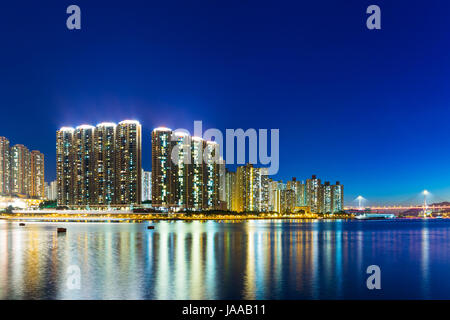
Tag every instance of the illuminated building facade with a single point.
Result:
(312, 197)
(326, 198)
(37, 182)
(146, 185)
(20, 170)
(5, 169)
(104, 163)
(222, 185)
(161, 166)
(99, 166)
(337, 197)
(211, 176)
(299, 190)
(185, 171)
(51, 191)
(83, 161)
(179, 170)
(230, 180)
(249, 189)
(128, 163)
(313, 194)
(196, 173)
(65, 166)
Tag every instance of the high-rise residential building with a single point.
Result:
(211, 175)
(278, 197)
(47, 190)
(128, 163)
(20, 170)
(37, 182)
(146, 185)
(273, 187)
(337, 197)
(51, 191)
(327, 197)
(251, 189)
(290, 201)
(299, 189)
(185, 171)
(230, 180)
(222, 184)
(65, 166)
(196, 174)
(104, 163)
(179, 170)
(324, 198)
(99, 166)
(314, 194)
(161, 166)
(83, 157)
(5, 168)
(282, 198)
(264, 197)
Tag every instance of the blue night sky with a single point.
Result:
(367, 108)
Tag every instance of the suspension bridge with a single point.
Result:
(423, 209)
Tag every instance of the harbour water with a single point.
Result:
(266, 259)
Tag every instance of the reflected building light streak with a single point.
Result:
(278, 267)
(132, 267)
(315, 264)
(109, 264)
(181, 278)
(328, 251)
(338, 259)
(210, 264)
(32, 273)
(261, 266)
(249, 277)
(359, 254)
(4, 263)
(163, 272)
(196, 272)
(17, 270)
(425, 262)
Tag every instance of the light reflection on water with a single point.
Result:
(212, 260)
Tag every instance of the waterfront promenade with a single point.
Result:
(129, 216)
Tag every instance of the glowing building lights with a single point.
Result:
(185, 172)
(99, 166)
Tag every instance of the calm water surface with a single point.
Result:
(214, 260)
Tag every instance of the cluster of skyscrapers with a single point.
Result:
(99, 166)
(21, 171)
(187, 172)
(249, 189)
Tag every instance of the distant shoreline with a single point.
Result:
(139, 217)
(142, 218)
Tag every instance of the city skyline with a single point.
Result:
(369, 116)
(417, 198)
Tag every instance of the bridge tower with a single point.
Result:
(425, 206)
(360, 199)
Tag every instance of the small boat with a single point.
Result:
(22, 224)
(151, 227)
(61, 230)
